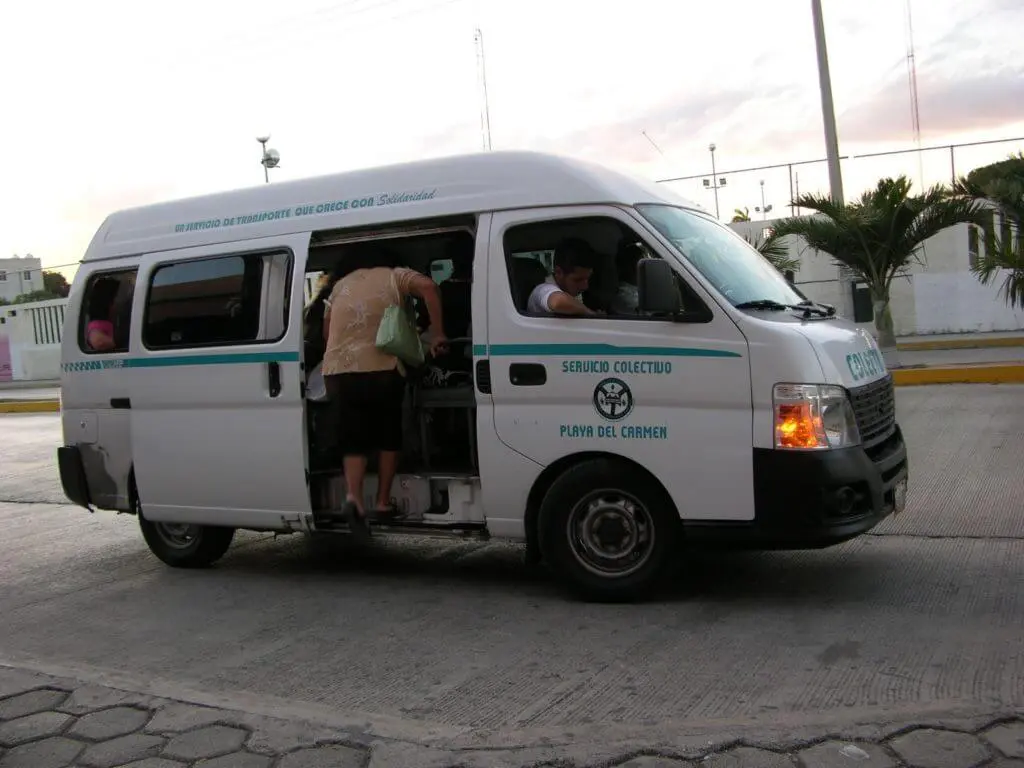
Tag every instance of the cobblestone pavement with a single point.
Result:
(49, 722)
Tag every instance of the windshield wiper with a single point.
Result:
(828, 309)
(807, 307)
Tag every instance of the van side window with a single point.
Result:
(105, 319)
(611, 288)
(217, 301)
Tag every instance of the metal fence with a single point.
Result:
(926, 166)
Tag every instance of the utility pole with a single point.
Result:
(828, 112)
(828, 115)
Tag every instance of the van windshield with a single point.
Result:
(729, 262)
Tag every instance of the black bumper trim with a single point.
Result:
(72, 476)
(811, 500)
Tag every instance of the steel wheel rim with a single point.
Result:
(177, 535)
(611, 534)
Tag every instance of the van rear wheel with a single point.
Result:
(183, 545)
(608, 530)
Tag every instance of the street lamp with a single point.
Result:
(763, 209)
(714, 182)
(271, 158)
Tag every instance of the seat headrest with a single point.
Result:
(526, 275)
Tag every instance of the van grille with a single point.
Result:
(874, 406)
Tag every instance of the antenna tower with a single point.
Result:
(915, 117)
(485, 114)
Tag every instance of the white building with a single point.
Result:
(940, 295)
(18, 275)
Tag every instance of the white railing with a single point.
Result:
(47, 318)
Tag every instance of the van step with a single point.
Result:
(419, 527)
(443, 475)
(434, 474)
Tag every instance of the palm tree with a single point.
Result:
(741, 215)
(777, 254)
(879, 236)
(1004, 252)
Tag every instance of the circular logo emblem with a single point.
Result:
(612, 399)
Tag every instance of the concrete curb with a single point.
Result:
(30, 406)
(927, 346)
(995, 373)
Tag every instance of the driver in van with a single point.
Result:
(560, 293)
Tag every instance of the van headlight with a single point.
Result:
(813, 417)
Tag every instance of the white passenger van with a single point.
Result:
(727, 409)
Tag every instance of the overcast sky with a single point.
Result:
(116, 103)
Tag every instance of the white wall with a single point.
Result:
(952, 302)
(940, 295)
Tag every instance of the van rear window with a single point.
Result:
(105, 321)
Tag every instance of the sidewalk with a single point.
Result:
(961, 341)
(962, 365)
(51, 721)
(15, 385)
(29, 396)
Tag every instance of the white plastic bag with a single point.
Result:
(316, 387)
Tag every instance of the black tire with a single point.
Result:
(609, 531)
(186, 546)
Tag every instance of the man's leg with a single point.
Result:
(386, 477)
(355, 474)
(352, 430)
(390, 424)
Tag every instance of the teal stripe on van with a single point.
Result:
(240, 358)
(479, 350)
(170, 361)
(594, 350)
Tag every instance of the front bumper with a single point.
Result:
(809, 500)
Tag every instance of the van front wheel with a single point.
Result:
(185, 545)
(608, 530)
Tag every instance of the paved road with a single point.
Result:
(927, 614)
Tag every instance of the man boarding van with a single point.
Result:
(724, 408)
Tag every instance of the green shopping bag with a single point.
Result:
(397, 335)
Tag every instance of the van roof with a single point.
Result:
(426, 189)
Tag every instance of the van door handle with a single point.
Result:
(274, 378)
(527, 374)
(121, 402)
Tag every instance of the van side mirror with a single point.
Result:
(657, 291)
